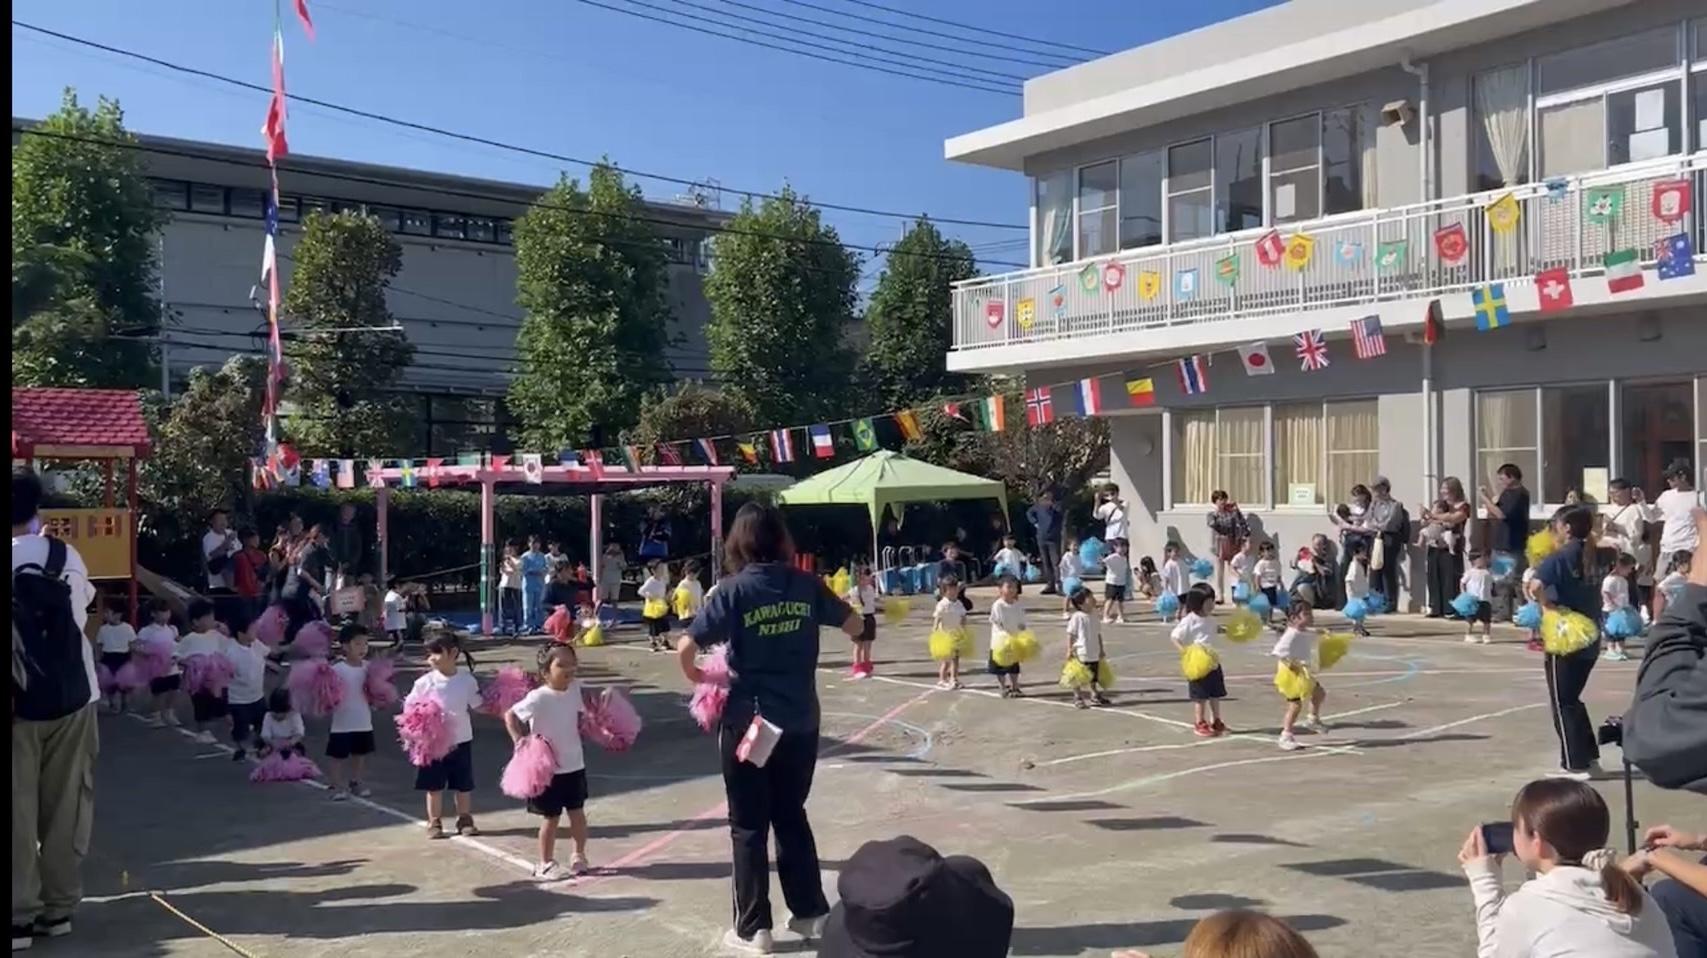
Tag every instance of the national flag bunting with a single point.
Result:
(1434, 325)
(1623, 270)
(748, 451)
(1489, 303)
(434, 469)
(909, 423)
(320, 473)
(865, 435)
(822, 445)
(302, 15)
(406, 473)
(707, 449)
(669, 454)
(1193, 375)
(1675, 257)
(993, 414)
(1367, 339)
(499, 462)
(533, 468)
(1255, 358)
(568, 457)
(376, 473)
(1089, 396)
(1311, 348)
(631, 458)
(1039, 407)
(782, 446)
(346, 478)
(1140, 391)
(952, 410)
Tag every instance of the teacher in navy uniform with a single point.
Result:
(770, 614)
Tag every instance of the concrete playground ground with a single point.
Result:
(1111, 828)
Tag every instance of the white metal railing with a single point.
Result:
(1554, 230)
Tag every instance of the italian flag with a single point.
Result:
(1623, 270)
(995, 418)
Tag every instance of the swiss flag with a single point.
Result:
(1553, 289)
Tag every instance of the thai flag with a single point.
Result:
(782, 447)
(822, 446)
(1090, 397)
(1193, 375)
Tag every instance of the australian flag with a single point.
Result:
(1675, 257)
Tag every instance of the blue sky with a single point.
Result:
(571, 78)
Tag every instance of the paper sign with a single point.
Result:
(1301, 494)
(1594, 483)
(1285, 201)
(1149, 284)
(1650, 144)
(993, 314)
(349, 600)
(1650, 109)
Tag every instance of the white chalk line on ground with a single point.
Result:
(1467, 721)
(1308, 752)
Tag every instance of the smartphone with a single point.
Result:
(1497, 838)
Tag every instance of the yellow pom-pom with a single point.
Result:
(1333, 647)
(1564, 632)
(1293, 683)
(1025, 646)
(593, 637)
(1002, 651)
(963, 646)
(1540, 546)
(841, 582)
(655, 609)
(1074, 675)
(1105, 675)
(946, 643)
(1197, 661)
(1243, 626)
(682, 601)
(894, 610)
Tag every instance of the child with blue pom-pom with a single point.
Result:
(1478, 583)
(1357, 583)
(1070, 568)
(1615, 607)
(1008, 560)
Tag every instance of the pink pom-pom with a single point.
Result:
(381, 694)
(560, 625)
(707, 705)
(154, 657)
(510, 685)
(207, 673)
(104, 679)
(314, 688)
(530, 768)
(313, 640)
(270, 626)
(278, 768)
(715, 665)
(132, 675)
(425, 731)
(610, 720)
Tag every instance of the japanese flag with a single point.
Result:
(533, 467)
(1255, 358)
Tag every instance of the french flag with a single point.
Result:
(1193, 376)
(822, 446)
(1090, 397)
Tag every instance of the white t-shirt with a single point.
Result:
(1086, 633)
(1268, 573)
(213, 542)
(1116, 525)
(696, 594)
(457, 692)
(248, 672)
(154, 633)
(1296, 645)
(1173, 577)
(950, 613)
(653, 588)
(1478, 582)
(556, 717)
(1013, 558)
(115, 638)
(1674, 506)
(200, 643)
(1194, 629)
(1241, 566)
(353, 713)
(32, 550)
(395, 618)
(1117, 569)
(510, 573)
(1006, 618)
(864, 598)
(1614, 593)
(1357, 581)
(1071, 567)
(1672, 586)
(276, 732)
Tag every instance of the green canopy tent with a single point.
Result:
(885, 479)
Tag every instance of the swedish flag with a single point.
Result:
(1489, 301)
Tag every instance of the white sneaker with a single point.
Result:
(1469, 638)
(1487, 640)
(578, 865)
(811, 929)
(360, 790)
(205, 737)
(339, 795)
(171, 718)
(1568, 774)
(549, 871)
(759, 944)
(154, 721)
(1315, 724)
(1288, 743)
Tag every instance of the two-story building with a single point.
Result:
(1467, 173)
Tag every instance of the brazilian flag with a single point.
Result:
(865, 435)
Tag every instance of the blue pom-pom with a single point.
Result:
(1466, 605)
(1377, 603)
(1282, 600)
(1241, 591)
(1033, 573)
(1202, 569)
(1503, 565)
(1529, 616)
(1357, 610)
(1092, 550)
(1071, 584)
(1261, 606)
(1622, 624)
(1004, 568)
(1167, 604)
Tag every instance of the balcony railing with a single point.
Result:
(1072, 301)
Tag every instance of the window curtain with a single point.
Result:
(1297, 449)
(1506, 432)
(1194, 456)
(1365, 145)
(1354, 447)
(1239, 451)
(1055, 218)
(1502, 104)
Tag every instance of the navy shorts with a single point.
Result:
(566, 793)
(114, 660)
(1002, 669)
(166, 683)
(454, 772)
(868, 629)
(1114, 593)
(658, 626)
(206, 707)
(1211, 686)
(346, 744)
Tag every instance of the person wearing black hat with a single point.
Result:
(769, 613)
(900, 899)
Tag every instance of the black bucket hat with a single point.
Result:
(900, 899)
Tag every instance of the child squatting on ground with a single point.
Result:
(1196, 629)
(553, 712)
(459, 695)
(1296, 651)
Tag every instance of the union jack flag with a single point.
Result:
(1312, 350)
(1367, 340)
(1039, 408)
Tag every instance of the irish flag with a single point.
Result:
(1623, 270)
(995, 417)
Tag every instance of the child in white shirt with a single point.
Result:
(1670, 588)
(1478, 580)
(115, 638)
(1117, 582)
(204, 639)
(1070, 568)
(1010, 556)
(1084, 644)
(1296, 650)
(1615, 595)
(1007, 618)
(1357, 579)
(949, 616)
(1195, 629)
(1266, 572)
(281, 730)
(459, 695)
(863, 597)
(610, 575)
(553, 712)
(164, 689)
(1242, 565)
(1531, 589)
(654, 593)
(246, 696)
(396, 621)
(689, 596)
(1174, 581)
(351, 738)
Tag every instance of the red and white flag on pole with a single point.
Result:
(1255, 358)
(302, 15)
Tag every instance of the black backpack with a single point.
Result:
(49, 678)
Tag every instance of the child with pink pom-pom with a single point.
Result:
(351, 739)
(115, 638)
(246, 695)
(459, 695)
(282, 730)
(164, 687)
(205, 639)
(553, 712)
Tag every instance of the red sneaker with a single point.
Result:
(1219, 728)
(1204, 730)
(1535, 646)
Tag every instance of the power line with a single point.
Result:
(490, 197)
(480, 140)
(967, 83)
(977, 29)
(1069, 60)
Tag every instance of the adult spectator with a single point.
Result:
(1348, 518)
(305, 586)
(1581, 904)
(1238, 933)
(347, 548)
(1387, 523)
(219, 544)
(1508, 512)
(769, 613)
(1673, 508)
(1111, 511)
(54, 738)
(655, 535)
(901, 899)
(1228, 530)
(1665, 728)
(1682, 895)
(1445, 558)
(1045, 518)
(1624, 529)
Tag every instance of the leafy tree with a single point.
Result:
(592, 278)
(782, 293)
(83, 252)
(691, 411)
(343, 367)
(910, 317)
(202, 445)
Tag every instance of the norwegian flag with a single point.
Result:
(1367, 339)
(1039, 408)
(1311, 350)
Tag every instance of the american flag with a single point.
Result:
(1367, 339)
(1312, 350)
(1039, 408)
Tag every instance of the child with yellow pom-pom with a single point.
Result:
(1571, 609)
(654, 594)
(949, 638)
(1084, 651)
(689, 595)
(1194, 628)
(862, 595)
(1007, 623)
(1296, 651)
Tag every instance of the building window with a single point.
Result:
(480, 229)
(1055, 219)
(248, 203)
(1613, 102)
(1507, 427)
(1343, 143)
(1643, 124)
(1191, 201)
(1500, 99)
(1298, 452)
(1608, 62)
(449, 226)
(1140, 200)
(172, 195)
(504, 232)
(290, 209)
(389, 217)
(1295, 169)
(1657, 429)
(1576, 431)
(1701, 397)
(1324, 449)
(1218, 449)
(312, 205)
(1099, 196)
(207, 199)
(417, 222)
(1699, 84)
(1238, 180)
(1354, 445)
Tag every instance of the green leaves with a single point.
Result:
(911, 317)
